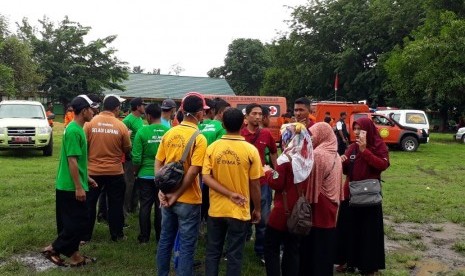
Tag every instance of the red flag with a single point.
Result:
(336, 82)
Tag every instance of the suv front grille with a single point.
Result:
(21, 131)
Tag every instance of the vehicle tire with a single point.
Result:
(48, 150)
(463, 139)
(409, 143)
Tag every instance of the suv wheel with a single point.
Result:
(463, 138)
(48, 150)
(409, 143)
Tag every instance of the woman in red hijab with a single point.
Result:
(360, 229)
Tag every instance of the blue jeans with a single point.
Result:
(260, 228)
(185, 218)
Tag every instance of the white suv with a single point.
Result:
(23, 124)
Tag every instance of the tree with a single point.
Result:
(348, 37)
(177, 69)
(71, 66)
(429, 71)
(137, 70)
(244, 66)
(18, 70)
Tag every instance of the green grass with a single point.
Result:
(28, 210)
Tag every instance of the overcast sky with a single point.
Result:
(158, 34)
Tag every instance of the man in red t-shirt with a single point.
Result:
(261, 138)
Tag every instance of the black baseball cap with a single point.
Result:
(168, 104)
(136, 102)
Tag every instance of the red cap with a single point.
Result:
(197, 94)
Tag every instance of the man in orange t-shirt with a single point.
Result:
(107, 139)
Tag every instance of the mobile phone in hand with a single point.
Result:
(363, 135)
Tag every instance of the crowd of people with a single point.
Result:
(235, 179)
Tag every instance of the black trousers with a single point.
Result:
(115, 187)
(217, 228)
(148, 196)
(72, 222)
(317, 252)
(289, 266)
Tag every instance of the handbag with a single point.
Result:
(169, 177)
(365, 192)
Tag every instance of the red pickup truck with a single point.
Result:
(393, 134)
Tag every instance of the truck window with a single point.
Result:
(21, 111)
(381, 121)
(415, 118)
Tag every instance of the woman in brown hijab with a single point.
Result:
(360, 229)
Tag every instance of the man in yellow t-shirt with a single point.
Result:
(181, 208)
(232, 169)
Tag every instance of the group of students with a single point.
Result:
(239, 168)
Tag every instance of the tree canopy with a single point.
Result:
(69, 64)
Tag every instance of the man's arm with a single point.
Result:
(74, 171)
(274, 159)
(255, 195)
(217, 187)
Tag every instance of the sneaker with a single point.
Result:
(261, 259)
(125, 225)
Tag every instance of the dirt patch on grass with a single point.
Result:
(433, 243)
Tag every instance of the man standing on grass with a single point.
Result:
(108, 140)
(72, 183)
(144, 149)
(133, 122)
(181, 208)
(231, 168)
(261, 138)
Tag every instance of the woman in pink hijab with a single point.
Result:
(360, 229)
(324, 192)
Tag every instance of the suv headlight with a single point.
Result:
(44, 130)
(3, 130)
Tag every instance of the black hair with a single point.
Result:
(192, 104)
(343, 113)
(111, 103)
(133, 108)
(251, 106)
(328, 113)
(179, 116)
(304, 101)
(265, 111)
(154, 110)
(220, 105)
(327, 120)
(233, 119)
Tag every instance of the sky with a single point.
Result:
(193, 34)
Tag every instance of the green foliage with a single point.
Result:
(244, 66)
(70, 65)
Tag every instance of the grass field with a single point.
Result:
(422, 187)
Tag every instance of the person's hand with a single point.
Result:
(256, 216)
(80, 194)
(266, 168)
(171, 199)
(238, 199)
(343, 158)
(92, 183)
(362, 143)
(163, 200)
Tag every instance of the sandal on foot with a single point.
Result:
(53, 257)
(85, 261)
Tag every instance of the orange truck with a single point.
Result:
(277, 106)
(393, 133)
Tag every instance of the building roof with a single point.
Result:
(160, 87)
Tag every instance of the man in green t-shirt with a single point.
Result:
(212, 128)
(72, 183)
(144, 149)
(134, 122)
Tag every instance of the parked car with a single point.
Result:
(24, 124)
(460, 135)
(408, 117)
